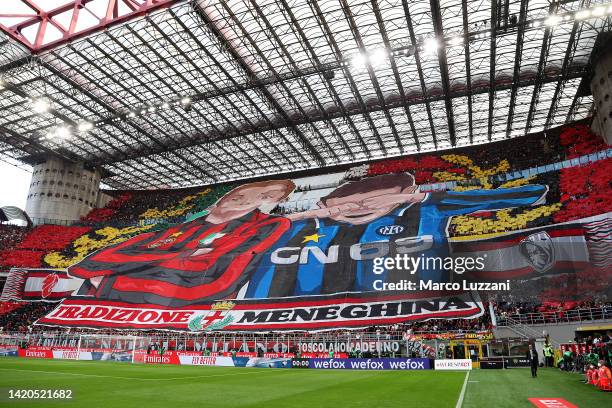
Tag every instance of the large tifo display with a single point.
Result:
(375, 251)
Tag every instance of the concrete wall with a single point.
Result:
(103, 199)
(61, 191)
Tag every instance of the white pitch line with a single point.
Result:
(462, 395)
(136, 378)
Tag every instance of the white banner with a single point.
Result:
(459, 364)
(206, 360)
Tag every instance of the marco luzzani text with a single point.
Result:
(411, 264)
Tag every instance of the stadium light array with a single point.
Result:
(430, 45)
(598, 11)
(553, 20)
(61, 132)
(376, 58)
(359, 61)
(583, 14)
(40, 105)
(556, 19)
(456, 41)
(85, 126)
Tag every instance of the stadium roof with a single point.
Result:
(177, 93)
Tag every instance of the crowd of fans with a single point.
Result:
(445, 325)
(549, 311)
(51, 237)
(585, 190)
(11, 235)
(28, 252)
(130, 208)
(20, 258)
(532, 151)
(127, 207)
(578, 140)
(468, 164)
(517, 308)
(7, 307)
(21, 319)
(97, 215)
(591, 355)
(421, 167)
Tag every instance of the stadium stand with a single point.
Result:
(7, 307)
(21, 258)
(50, 237)
(35, 243)
(395, 185)
(97, 215)
(555, 312)
(20, 317)
(11, 235)
(574, 192)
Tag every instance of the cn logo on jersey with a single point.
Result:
(389, 230)
(48, 285)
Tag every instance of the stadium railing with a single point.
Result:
(53, 338)
(42, 336)
(524, 331)
(557, 317)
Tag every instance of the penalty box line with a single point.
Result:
(138, 378)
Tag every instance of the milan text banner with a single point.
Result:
(237, 315)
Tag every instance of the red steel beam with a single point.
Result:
(41, 19)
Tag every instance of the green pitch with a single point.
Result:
(110, 385)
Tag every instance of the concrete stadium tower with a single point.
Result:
(601, 88)
(61, 191)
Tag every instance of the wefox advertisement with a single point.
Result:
(371, 363)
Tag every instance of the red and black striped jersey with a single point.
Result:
(186, 264)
